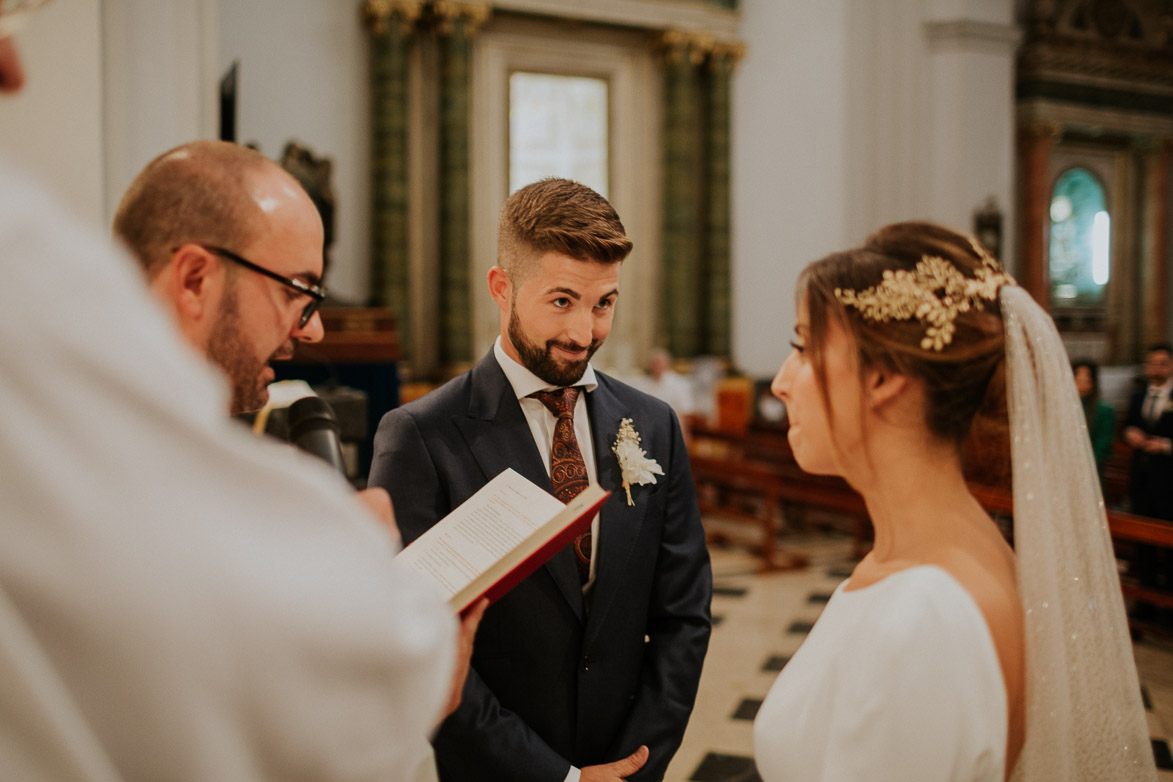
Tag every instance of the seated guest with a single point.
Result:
(664, 383)
(946, 656)
(1098, 415)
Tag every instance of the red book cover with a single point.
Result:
(539, 557)
(503, 533)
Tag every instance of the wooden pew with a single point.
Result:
(730, 468)
(1123, 527)
(734, 470)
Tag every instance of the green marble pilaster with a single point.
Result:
(390, 26)
(457, 23)
(717, 306)
(454, 212)
(682, 229)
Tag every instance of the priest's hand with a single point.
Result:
(378, 502)
(617, 771)
(464, 641)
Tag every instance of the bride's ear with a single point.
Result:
(885, 385)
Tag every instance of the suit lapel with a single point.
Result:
(499, 437)
(619, 523)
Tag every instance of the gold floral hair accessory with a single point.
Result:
(933, 293)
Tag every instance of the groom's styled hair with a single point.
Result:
(562, 216)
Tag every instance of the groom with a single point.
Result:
(597, 655)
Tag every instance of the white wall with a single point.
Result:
(304, 77)
(851, 114)
(789, 166)
(846, 116)
(53, 128)
(159, 73)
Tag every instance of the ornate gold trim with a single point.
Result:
(677, 44)
(475, 16)
(376, 14)
(732, 52)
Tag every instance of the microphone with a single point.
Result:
(314, 429)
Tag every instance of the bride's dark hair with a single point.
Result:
(963, 381)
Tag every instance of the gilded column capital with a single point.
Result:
(377, 14)
(676, 45)
(1042, 130)
(475, 15)
(726, 54)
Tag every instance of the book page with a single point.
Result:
(486, 527)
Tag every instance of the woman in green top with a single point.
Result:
(1101, 418)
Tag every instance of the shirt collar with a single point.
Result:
(525, 382)
(1164, 388)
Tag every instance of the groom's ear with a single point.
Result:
(500, 287)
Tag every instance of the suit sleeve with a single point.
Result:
(481, 739)
(678, 626)
(1134, 417)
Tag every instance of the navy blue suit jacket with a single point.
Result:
(1151, 475)
(551, 683)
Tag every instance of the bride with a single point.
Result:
(948, 656)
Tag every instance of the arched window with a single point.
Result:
(1081, 240)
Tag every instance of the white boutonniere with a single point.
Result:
(634, 464)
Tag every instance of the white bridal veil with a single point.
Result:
(1084, 718)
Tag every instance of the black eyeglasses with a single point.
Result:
(316, 292)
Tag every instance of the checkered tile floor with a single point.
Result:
(760, 620)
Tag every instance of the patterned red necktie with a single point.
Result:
(567, 468)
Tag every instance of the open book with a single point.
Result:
(499, 536)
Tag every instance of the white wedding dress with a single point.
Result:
(898, 681)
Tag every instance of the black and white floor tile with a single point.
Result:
(759, 620)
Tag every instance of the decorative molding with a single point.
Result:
(377, 15)
(649, 14)
(969, 34)
(1095, 119)
(678, 44)
(1037, 130)
(1087, 60)
(727, 53)
(675, 45)
(475, 16)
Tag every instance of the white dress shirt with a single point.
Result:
(541, 424)
(1154, 403)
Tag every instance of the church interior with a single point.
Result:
(739, 140)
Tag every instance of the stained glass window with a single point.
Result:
(1081, 240)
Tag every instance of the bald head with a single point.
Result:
(207, 192)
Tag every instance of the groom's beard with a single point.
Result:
(542, 361)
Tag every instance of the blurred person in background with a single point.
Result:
(1099, 415)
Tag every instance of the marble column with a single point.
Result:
(683, 229)
(391, 26)
(1155, 265)
(716, 295)
(457, 23)
(1034, 153)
